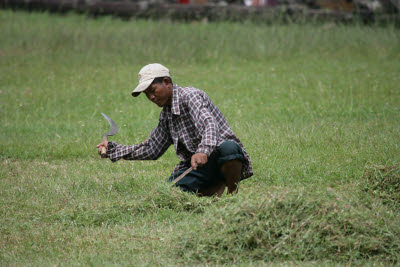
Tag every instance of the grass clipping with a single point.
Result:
(384, 182)
(162, 196)
(293, 225)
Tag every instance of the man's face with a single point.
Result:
(160, 93)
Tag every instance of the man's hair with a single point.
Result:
(160, 80)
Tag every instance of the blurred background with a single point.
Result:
(236, 10)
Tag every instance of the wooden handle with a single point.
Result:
(182, 175)
(103, 153)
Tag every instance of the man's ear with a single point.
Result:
(166, 81)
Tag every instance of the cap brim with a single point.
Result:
(141, 87)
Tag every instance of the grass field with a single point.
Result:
(316, 106)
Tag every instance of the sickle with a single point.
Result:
(113, 130)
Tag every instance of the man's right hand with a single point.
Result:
(101, 145)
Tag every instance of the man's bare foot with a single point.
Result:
(213, 190)
(231, 171)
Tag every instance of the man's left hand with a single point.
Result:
(198, 160)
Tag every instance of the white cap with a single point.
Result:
(147, 74)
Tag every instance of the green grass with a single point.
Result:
(314, 105)
(297, 225)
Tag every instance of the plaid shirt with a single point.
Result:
(193, 124)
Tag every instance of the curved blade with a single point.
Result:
(113, 126)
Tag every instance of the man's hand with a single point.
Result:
(101, 145)
(198, 160)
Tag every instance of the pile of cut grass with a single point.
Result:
(383, 182)
(294, 225)
(163, 196)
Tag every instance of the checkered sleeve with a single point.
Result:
(205, 123)
(151, 149)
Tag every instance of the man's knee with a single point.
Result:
(229, 150)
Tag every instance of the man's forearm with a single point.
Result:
(117, 151)
(143, 151)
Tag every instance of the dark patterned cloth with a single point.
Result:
(193, 124)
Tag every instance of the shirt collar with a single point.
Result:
(175, 100)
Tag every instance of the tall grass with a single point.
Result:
(313, 105)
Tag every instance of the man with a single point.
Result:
(202, 138)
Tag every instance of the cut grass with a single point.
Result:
(383, 182)
(293, 225)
